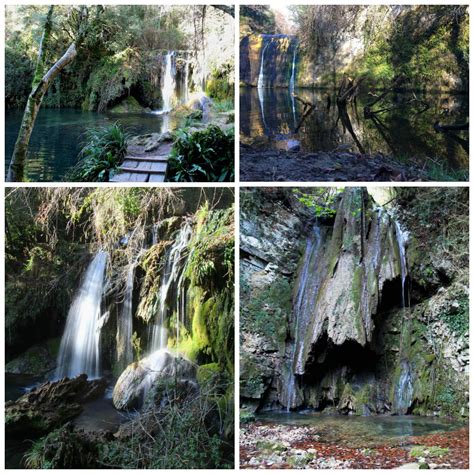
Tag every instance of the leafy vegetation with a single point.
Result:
(425, 44)
(104, 150)
(202, 156)
(118, 54)
(457, 318)
(321, 201)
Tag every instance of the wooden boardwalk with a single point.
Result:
(139, 166)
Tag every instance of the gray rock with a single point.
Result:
(137, 380)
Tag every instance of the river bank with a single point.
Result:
(280, 165)
(276, 446)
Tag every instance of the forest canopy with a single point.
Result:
(117, 56)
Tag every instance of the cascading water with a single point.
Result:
(306, 295)
(169, 83)
(79, 351)
(171, 275)
(125, 322)
(402, 239)
(308, 288)
(293, 71)
(261, 76)
(403, 398)
(261, 84)
(186, 81)
(292, 86)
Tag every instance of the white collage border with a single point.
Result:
(236, 186)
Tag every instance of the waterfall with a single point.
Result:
(292, 87)
(293, 69)
(125, 322)
(171, 274)
(167, 91)
(261, 76)
(308, 287)
(402, 239)
(186, 81)
(79, 350)
(404, 389)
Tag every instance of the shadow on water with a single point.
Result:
(269, 118)
(362, 431)
(98, 414)
(58, 137)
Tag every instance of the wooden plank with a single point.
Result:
(121, 178)
(157, 178)
(158, 167)
(129, 164)
(135, 170)
(144, 166)
(147, 158)
(142, 178)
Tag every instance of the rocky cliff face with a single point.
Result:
(326, 318)
(270, 57)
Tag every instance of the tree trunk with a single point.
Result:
(17, 163)
(40, 86)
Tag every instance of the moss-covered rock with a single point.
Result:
(37, 360)
(129, 105)
(50, 405)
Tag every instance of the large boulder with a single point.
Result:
(50, 405)
(200, 101)
(37, 360)
(139, 378)
(150, 141)
(129, 105)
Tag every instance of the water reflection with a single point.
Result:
(59, 134)
(269, 118)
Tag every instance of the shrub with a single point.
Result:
(206, 155)
(181, 433)
(102, 153)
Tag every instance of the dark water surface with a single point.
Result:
(270, 118)
(58, 137)
(362, 431)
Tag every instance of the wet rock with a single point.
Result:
(293, 145)
(139, 378)
(150, 141)
(37, 360)
(50, 405)
(128, 106)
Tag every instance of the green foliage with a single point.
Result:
(137, 345)
(18, 77)
(256, 19)
(266, 311)
(62, 449)
(246, 416)
(431, 451)
(112, 79)
(181, 434)
(225, 105)
(320, 200)
(104, 150)
(457, 318)
(221, 85)
(202, 156)
(210, 272)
